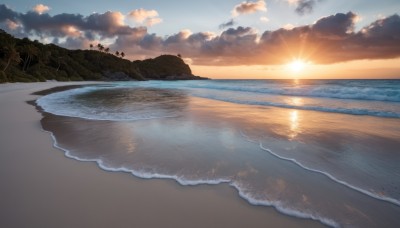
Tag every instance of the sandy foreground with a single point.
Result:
(40, 187)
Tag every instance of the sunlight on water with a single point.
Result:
(285, 157)
(294, 124)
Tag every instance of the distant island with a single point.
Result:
(23, 60)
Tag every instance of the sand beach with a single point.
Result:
(41, 187)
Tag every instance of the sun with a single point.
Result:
(296, 65)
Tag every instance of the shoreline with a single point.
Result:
(45, 189)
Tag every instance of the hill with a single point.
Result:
(23, 60)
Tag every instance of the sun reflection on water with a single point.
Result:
(294, 124)
(297, 101)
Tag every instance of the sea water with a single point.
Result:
(327, 150)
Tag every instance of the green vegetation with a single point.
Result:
(23, 60)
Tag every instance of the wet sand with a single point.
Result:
(43, 188)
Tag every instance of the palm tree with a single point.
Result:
(100, 47)
(30, 52)
(91, 46)
(117, 53)
(179, 55)
(122, 54)
(11, 54)
(107, 50)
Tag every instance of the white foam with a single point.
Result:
(186, 182)
(279, 206)
(140, 173)
(60, 104)
(330, 176)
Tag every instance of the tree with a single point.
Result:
(179, 55)
(107, 50)
(91, 46)
(30, 51)
(117, 53)
(100, 47)
(11, 54)
(122, 54)
(59, 61)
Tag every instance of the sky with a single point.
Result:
(227, 39)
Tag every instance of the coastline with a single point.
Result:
(43, 188)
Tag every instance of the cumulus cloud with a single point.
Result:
(336, 26)
(7, 14)
(147, 17)
(330, 39)
(249, 7)
(288, 26)
(11, 24)
(40, 8)
(140, 15)
(152, 21)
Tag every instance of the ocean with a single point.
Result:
(326, 150)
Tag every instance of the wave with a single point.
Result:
(330, 176)
(243, 193)
(65, 103)
(351, 111)
(280, 207)
(391, 94)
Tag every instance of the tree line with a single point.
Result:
(23, 60)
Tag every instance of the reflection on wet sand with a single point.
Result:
(294, 124)
(216, 142)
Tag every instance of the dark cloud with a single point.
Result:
(329, 40)
(6, 13)
(333, 39)
(337, 26)
(305, 6)
(228, 24)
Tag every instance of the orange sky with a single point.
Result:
(353, 69)
(247, 39)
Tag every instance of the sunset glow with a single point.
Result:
(248, 35)
(297, 65)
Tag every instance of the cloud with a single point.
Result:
(40, 8)
(330, 39)
(227, 24)
(333, 39)
(140, 15)
(7, 14)
(152, 21)
(11, 24)
(147, 17)
(288, 26)
(304, 6)
(249, 8)
(336, 26)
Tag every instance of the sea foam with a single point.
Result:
(243, 193)
(353, 100)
